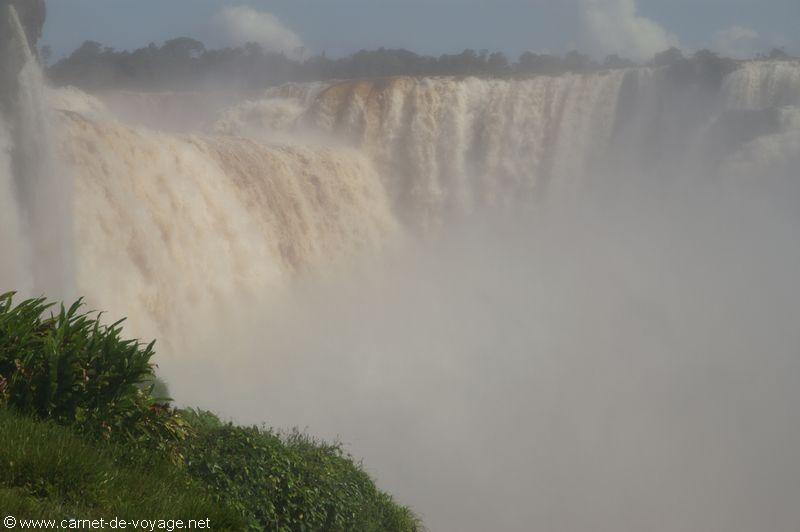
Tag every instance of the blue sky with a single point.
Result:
(630, 27)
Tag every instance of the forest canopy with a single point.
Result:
(184, 63)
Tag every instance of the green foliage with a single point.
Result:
(184, 63)
(288, 483)
(70, 368)
(47, 471)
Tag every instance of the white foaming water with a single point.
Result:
(619, 359)
(13, 272)
(446, 146)
(186, 222)
(759, 85)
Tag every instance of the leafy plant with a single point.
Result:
(68, 367)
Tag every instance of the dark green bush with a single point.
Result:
(69, 368)
(288, 483)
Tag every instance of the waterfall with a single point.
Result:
(763, 84)
(311, 176)
(449, 146)
(36, 237)
(168, 222)
(446, 145)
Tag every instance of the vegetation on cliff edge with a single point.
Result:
(84, 435)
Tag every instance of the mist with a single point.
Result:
(594, 365)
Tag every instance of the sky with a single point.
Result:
(631, 28)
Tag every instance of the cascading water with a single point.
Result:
(206, 222)
(14, 248)
(333, 170)
(448, 146)
(36, 237)
(763, 84)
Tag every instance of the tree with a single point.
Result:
(498, 65)
(183, 48)
(614, 61)
(531, 63)
(575, 61)
(672, 56)
(776, 54)
(712, 68)
(86, 52)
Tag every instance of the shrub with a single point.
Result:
(288, 483)
(70, 368)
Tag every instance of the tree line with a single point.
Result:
(185, 63)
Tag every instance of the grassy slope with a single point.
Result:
(47, 471)
(241, 478)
